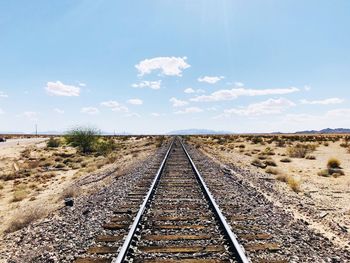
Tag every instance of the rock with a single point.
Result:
(68, 202)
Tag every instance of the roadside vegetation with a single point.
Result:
(46, 171)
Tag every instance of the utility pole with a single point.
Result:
(36, 129)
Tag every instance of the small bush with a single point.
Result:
(1, 186)
(300, 150)
(105, 147)
(19, 194)
(310, 157)
(282, 178)
(258, 163)
(294, 184)
(270, 163)
(324, 173)
(270, 170)
(53, 143)
(285, 160)
(333, 163)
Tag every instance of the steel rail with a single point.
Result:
(124, 249)
(238, 249)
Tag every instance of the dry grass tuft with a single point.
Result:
(291, 182)
(23, 219)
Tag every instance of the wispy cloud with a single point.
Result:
(59, 111)
(59, 89)
(170, 66)
(230, 94)
(148, 84)
(190, 91)
(135, 101)
(189, 110)
(3, 95)
(114, 106)
(210, 80)
(323, 102)
(270, 106)
(90, 110)
(178, 103)
(1, 111)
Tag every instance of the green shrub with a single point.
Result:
(105, 147)
(84, 138)
(53, 143)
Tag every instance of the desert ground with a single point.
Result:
(302, 183)
(47, 183)
(35, 178)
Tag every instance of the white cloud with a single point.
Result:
(210, 80)
(59, 89)
(57, 110)
(239, 84)
(190, 90)
(1, 111)
(89, 110)
(148, 84)
(170, 66)
(155, 114)
(270, 106)
(323, 102)
(178, 103)
(307, 88)
(114, 106)
(135, 101)
(189, 110)
(3, 95)
(231, 94)
(81, 84)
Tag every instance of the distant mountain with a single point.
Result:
(325, 131)
(197, 132)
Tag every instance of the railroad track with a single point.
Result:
(170, 217)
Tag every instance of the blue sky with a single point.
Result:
(157, 65)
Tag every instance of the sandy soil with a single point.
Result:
(323, 201)
(45, 188)
(13, 147)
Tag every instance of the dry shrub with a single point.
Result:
(270, 162)
(270, 170)
(291, 181)
(333, 163)
(300, 150)
(310, 157)
(282, 178)
(294, 184)
(258, 163)
(20, 192)
(23, 219)
(70, 192)
(285, 160)
(1, 186)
